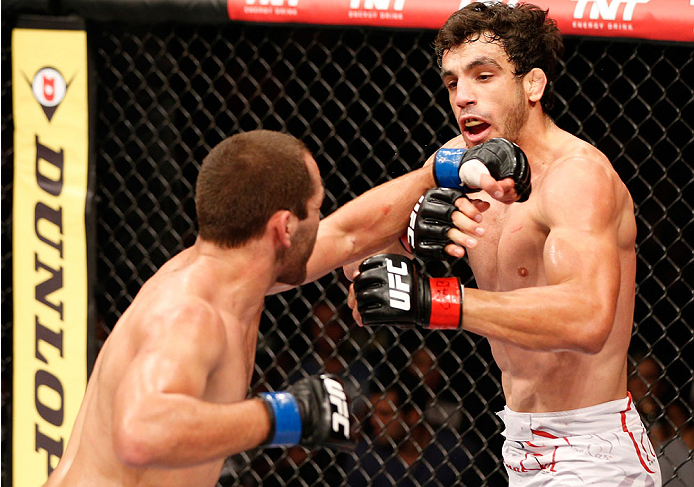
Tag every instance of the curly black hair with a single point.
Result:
(530, 38)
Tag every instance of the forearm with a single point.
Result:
(571, 315)
(568, 319)
(368, 223)
(395, 248)
(179, 431)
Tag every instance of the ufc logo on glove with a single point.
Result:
(339, 399)
(399, 291)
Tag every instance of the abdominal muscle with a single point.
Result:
(535, 381)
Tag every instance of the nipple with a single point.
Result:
(523, 272)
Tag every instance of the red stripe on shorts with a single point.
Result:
(550, 435)
(633, 440)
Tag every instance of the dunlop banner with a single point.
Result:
(49, 241)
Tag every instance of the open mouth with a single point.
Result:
(474, 126)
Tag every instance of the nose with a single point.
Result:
(464, 95)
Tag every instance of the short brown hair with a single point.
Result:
(245, 179)
(530, 38)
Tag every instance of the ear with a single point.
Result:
(282, 226)
(535, 83)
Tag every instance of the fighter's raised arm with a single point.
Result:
(589, 245)
(378, 218)
(582, 256)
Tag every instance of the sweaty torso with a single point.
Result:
(511, 256)
(90, 458)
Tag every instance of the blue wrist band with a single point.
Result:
(287, 418)
(447, 167)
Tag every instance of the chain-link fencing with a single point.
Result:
(370, 105)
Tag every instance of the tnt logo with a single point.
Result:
(413, 219)
(49, 88)
(339, 399)
(606, 9)
(399, 291)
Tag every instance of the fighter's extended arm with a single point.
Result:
(581, 259)
(162, 419)
(376, 219)
(368, 223)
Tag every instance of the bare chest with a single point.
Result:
(509, 255)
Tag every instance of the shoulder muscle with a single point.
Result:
(585, 192)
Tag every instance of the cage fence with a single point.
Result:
(370, 105)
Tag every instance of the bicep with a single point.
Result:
(581, 248)
(588, 260)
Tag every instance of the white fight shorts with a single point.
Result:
(604, 445)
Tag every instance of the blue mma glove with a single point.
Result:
(314, 412)
(502, 158)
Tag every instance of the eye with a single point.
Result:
(452, 85)
(484, 77)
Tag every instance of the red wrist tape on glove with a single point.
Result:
(446, 303)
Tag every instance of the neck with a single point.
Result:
(239, 277)
(536, 137)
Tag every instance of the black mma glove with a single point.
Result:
(390, 291)
(430, 221)
(503, 159)
(314, 412)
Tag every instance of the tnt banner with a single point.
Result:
(664, 20)
(49, 232)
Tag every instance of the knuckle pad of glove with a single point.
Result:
(369, 299)
(434, 230)
(433, 222)
(504, 159)
(309, 395)
(448, 195)
(373, 262)
(369, 278)
(434, 250)
(521, 172)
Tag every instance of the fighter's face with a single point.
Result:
(486, 98)
(294, 259)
